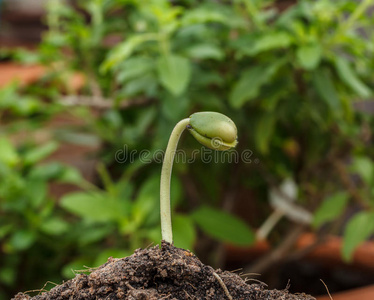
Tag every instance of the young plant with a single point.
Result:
(213, 130)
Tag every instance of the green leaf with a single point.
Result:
(70, 175)
(47, 171)
(145, 207)
(36, 192)
(145, 84)
(264, 131)
(309, 56)
(348, 76)
(26, 105)
(134, 67)
(54, 226)
(184, 233)
(7, 95)
(175, 108)
(21, 240)
(95, 206)
(8, 154)
(40, 152)
(248, 86)
(174, 73)
(358, 229)
(55, 171)
(364, 167)
(250, 82)
(124, 50)
(202, 15)
(326, 89)
(223, 226)
(90, 235)
(144, 120)
(205, 51)
(330, 209)
(270, 41)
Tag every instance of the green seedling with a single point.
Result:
(213, 130)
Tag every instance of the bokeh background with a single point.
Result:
(85, 83)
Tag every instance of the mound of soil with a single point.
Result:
(160, 273)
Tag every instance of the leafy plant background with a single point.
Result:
(292, 80)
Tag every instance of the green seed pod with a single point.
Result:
(213, 130)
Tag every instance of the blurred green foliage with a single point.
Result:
(289, 80)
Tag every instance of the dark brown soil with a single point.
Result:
(166, 273)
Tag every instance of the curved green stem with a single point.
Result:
(213, 130)
(166, 229)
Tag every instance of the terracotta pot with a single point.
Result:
(24, 74)
(27, 74)
(326, 253)
(366, 293)
(329, 251)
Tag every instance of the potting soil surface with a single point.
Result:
(160, 273)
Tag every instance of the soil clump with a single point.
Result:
(160, 273)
